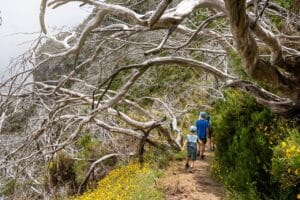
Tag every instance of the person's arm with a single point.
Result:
(207, 131)
(184, 144)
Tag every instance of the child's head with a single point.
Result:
(193, 129)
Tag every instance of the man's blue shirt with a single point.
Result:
(201, 125)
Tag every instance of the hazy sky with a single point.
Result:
(22, 16)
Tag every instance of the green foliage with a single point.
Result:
(65, 171)
(235, 63)
(160, 80)
(120, 79)
(160, 158)
(9, 187)
(60, 170)
(133, 181)
(285, 3)
(164, 79)
(286, 166)
(197, 17)
(89, 149)
(219, 24)
(277, 22)
(245, 134)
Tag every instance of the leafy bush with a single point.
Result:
(90, 149)
(60, 169)
(286, 166)
(60, 172)
(245, 135)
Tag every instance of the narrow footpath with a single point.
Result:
(180, 184)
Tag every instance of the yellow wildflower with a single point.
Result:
(283, 144)
(288, 153)
(123, 183)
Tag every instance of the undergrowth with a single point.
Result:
(258, 153)
(134, 181)
(131, 182)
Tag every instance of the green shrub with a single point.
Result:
(286, 166)
(9, 187)
(245, 135)
(60, 173)
(90, 150)
(60, 169)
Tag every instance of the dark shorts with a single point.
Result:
(192, 152)
(203, 140)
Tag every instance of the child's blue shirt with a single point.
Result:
(191, 139)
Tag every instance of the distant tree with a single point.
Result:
(264, 36)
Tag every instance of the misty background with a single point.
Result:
(20, 26)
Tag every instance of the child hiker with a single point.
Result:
(191, 142)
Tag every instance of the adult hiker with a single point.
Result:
(210, 138)
(191, 143)
(202, 132)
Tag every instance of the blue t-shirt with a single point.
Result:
(201, 125)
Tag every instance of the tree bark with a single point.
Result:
(247, 48)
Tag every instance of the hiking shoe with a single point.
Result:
(187, 165)
(202, 157)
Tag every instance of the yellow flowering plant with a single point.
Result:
(286, 164)
(131, 182)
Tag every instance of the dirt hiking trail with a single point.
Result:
(180, 184)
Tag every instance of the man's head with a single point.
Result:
(202, 115)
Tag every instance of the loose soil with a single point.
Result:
(181, 184)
